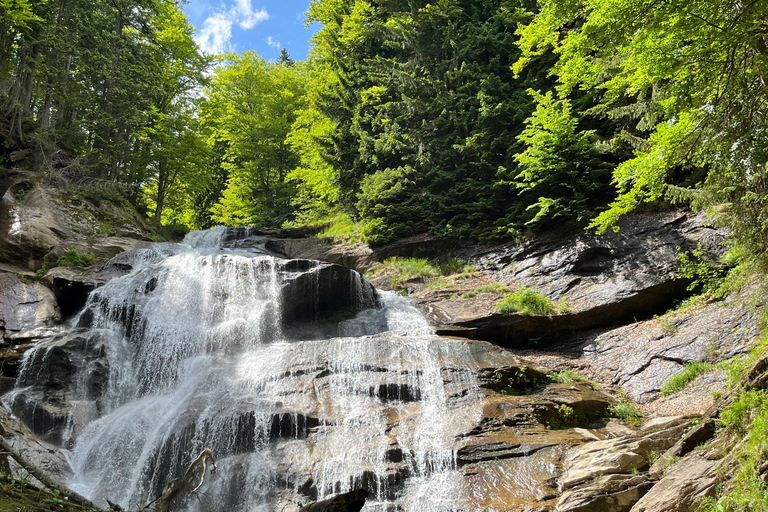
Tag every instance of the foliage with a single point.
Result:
(527, 302)
(628, 412)
(748, 416)
(704, 276)
(74, 258)
(250, 110)
(559, 161)
(684, 82)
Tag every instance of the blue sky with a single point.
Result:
(262, 25)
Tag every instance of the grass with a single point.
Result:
(527, 302)
(492, 288)
(406, 269)
(628, 412)
(411, 268)
(679, 381)
(439, 283)
(74, 258)
(342, 229)
(747, 490)
(570, 376)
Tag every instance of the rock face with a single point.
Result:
(685, 482)
(27, 310)
(605, 280)
(605, 475)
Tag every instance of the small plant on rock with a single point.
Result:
(74, 258)
(627, 412)
(527, 302)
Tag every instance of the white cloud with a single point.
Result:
(216, 32)
(274, 43)
(248, 17)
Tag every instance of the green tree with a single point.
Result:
(251, 108)
(559, 164)
(704, 65)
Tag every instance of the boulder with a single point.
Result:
(27, 309)
(687, 481)
(621, 455)
(312, 291)
(609, 493)
(71, 287)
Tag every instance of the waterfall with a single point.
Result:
(191, 348)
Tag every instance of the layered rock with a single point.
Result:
(608, 279)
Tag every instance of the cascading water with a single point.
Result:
(194, 350)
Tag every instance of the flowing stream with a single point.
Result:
(193, 350)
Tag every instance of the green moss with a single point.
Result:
(74, 258)
(527, 302)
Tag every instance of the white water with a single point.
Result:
(197, 358)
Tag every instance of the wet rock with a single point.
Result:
(46, 399)
(357, 257)
(687, 481)
(71, 287)
(610, 493)
(314, 291)
(349, 502)
(27, 309)
(46, 457)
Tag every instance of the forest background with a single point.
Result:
(488, 119)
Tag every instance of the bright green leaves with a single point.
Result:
(251, 109)
(557, 161)
(643, 178)
(697, 65)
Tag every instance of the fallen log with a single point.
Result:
(175, 487)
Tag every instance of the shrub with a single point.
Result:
(526, 302)
(74, 258)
